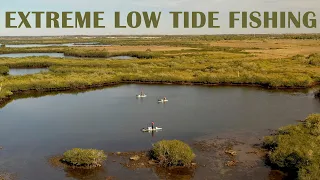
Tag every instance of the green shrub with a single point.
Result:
(298, 57)
(172, 153)
(309, 173)
(84, 157)
(296, 148)
(314, 59)
(4, 70)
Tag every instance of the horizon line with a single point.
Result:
(127, 35)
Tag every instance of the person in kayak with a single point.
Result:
(165, 98)
(152, 125)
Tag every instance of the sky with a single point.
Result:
(164, 6)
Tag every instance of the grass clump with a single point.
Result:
(88, 158)
(298, 57)
(4, 70)
(86, 53)
(314, 59)
(172, 153)
(296, 149)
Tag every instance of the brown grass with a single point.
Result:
(135, 48)
(267, 49)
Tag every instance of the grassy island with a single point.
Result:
(84, 158)
(296, 149)
(172, 153)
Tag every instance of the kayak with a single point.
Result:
(141, 96)
(149, 129)
(162, 100)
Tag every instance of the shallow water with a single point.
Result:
(55, 55)
(16, 72)
(20, 55)
(53, 45)
(33, 129)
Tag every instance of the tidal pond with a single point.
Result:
(21, 55)
(34, 128)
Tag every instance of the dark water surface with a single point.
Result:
(33, 129)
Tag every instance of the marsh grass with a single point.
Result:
(201, 68)
(4, 70)
(160, 40)
(172, 153)
(105, 54)
(82, 52)
(314, 59)
(87, 158)
(299, 57)
(207, 65)
(296, 149)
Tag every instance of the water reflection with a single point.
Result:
(152, 133)
(78, 173)
(175, 173)
(277, 175)
(85, 174)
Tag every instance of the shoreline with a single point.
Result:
(5, 99)
(211, 156)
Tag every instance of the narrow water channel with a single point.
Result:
(55, 55)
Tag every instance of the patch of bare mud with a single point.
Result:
(233, 156)
(125, 165)
(141, 160)
(7, 176)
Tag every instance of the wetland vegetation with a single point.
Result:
(269, 61)
(4, 70)
(295, 148)
(165, 153)
(273, 62)
(86, 158)
(172, 153)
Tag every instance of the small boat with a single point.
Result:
(141, 96)
(162, 100)
(149, 129)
